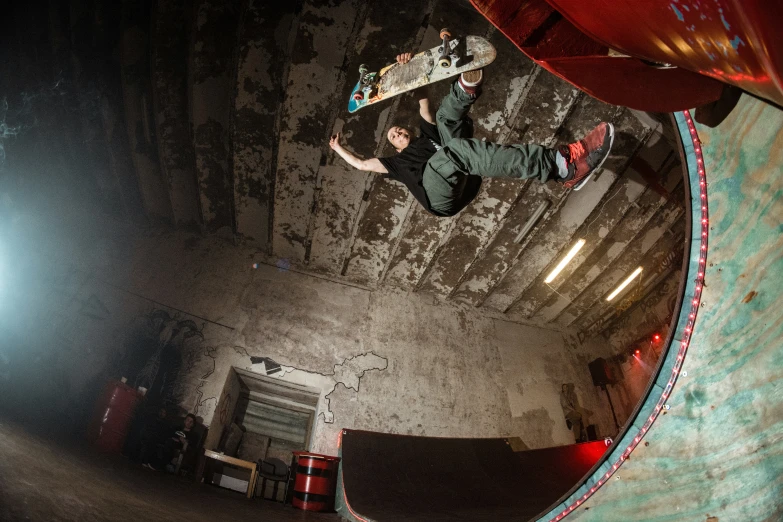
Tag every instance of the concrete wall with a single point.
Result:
(241, 151)
(386, 360)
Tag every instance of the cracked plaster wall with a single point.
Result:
(386, 360)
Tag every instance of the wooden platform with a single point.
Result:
(400, 477)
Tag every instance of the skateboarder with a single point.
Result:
(443, 166)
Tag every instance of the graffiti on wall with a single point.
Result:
(347, 373)
(203, 405)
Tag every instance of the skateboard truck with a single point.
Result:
(364, 81)
(445, 50)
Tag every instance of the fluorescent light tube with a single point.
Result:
(624, 284)
(530, 223)
(567, 259)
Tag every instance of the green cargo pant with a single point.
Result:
(452, 175)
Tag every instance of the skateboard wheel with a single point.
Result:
(359, 96)
(444, 33)
(445, 61)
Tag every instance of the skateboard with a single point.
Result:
(452, 57)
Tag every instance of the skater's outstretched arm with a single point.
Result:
(368, 165)
(424, 106)
(422, 92)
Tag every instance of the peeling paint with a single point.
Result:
(171, 117)
(134, 50)
(631, 133)
(316, 57)
(210, 106)
(291, 193)
(255, 123)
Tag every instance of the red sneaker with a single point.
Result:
(586, 155)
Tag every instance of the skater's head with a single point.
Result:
(399, 137)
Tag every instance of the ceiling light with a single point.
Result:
(562, 264)
(624, 284)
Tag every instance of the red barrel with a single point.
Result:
(316, 481)
(113, 414)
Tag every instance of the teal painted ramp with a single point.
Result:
(714, 451)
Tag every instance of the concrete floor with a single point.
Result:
(43, 481)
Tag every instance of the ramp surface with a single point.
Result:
(717, 454)
(398, 477)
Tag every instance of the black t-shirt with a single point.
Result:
(408, 166)
(190, 435)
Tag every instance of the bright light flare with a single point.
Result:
(563, 262)
(624, 284)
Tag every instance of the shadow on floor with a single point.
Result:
(44, 481)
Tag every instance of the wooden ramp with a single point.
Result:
(400, 477)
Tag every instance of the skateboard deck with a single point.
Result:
(451, 58)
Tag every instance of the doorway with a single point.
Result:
(276, 416)
(260, 418)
